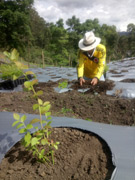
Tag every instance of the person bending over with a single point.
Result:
(91, 59)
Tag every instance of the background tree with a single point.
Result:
(40, 37)
(131, 39)
(22, 28)
(14, 27)
(58, 41)
(109, 37)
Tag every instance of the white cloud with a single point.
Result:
(111, 12)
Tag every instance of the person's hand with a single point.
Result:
(94, 81)
(81, 81)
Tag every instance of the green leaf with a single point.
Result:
(48, 125)
(63, 84)
(42, 152)
(34, 141)
(27, 84)
(16, 116)
(55, 146)
(27, 137)
(44, 141)
(43, 110)
(14, 55)
(40, 101)
(39, 93)
(23, 118)
(20, 125)
(35, 106)
(45, 130)
(14, 123)
(35, 120)
(6, 54)
(49, 122)
(29, 72)
(48, 118)
(29, 89)
(14, 77)
(57, 142)
(48, 114)
(21, 131)
(44, 122)
(33, 82)
(46, 108)
(46, 103)
(34, 153)
(40, 156)
(29, 126)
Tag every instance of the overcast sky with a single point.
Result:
(111, 12)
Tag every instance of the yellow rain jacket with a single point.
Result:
(92, 68)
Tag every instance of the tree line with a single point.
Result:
(22, 28)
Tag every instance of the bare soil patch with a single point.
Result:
(93, 104)
(128, 80)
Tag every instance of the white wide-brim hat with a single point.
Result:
(89, 41)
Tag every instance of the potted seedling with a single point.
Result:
(39, 143)
(12, 73)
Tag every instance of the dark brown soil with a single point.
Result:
(81, 155)
(128, 80)
(92, 105)
(114, 72)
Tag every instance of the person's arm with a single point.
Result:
(80, 69)
(101, 63)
